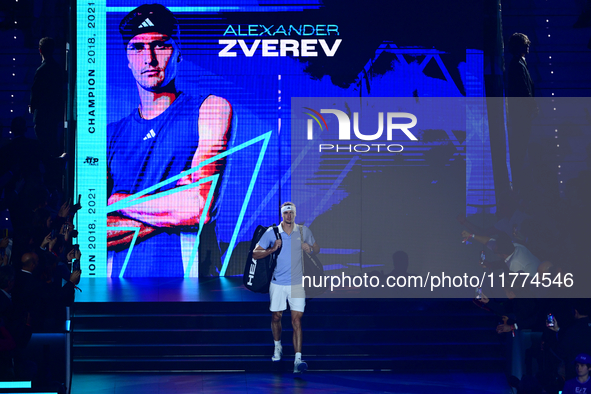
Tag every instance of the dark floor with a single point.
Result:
(310, 382)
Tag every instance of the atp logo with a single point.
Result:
(93, 161)
(344, 130)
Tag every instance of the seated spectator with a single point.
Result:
(582, 383)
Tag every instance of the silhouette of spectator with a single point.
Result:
(400, 263)
(46, 103)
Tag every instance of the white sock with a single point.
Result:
(298, 357)
(277, 343)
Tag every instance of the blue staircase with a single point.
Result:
(390, 334)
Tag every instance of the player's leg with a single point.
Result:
(278, 305)
(297, 304)
(296, 323)
(276, 325)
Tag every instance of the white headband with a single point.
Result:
(288, 208)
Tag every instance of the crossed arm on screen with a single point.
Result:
(122, 237)
(183, 208)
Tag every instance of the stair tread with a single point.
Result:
(86, 330)
(105, 337)
(406, 313)
(265, 358)
(284, 345)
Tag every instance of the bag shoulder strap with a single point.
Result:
(301, 226)
(275, 254)
(302, 240)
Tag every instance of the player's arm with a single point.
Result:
(260, 253)
(267, 239)
(483, 239)
(311, 249)
(316, 248)
(185, 208)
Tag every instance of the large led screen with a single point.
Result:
(185, 140)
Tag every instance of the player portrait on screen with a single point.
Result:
(161, 181)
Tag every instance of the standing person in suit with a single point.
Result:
(521, 106)
(47, 105)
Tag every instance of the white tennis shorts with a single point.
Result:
(295, 295)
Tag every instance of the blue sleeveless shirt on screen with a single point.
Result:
(140, 154)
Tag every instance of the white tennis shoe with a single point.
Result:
(299, 366)
(277, 353)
